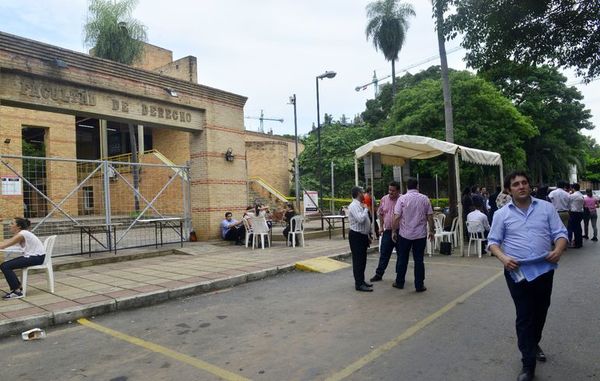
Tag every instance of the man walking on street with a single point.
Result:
(386, 216)
(359, 238)
(411, 214)
(521, 237)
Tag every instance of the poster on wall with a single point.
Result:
(311, 202)
(11, 186)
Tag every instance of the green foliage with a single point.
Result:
(388, 22)
(113, 33)
(483, 119)
(591, 160)
(562, 32)
(541, 93)
(387, 26)
(338, 143)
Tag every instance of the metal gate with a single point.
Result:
(95, 205)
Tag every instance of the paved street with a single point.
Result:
(309, 326)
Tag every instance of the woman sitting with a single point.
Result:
(289, 213)
(33, 255)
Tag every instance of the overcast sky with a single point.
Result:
(265, 50)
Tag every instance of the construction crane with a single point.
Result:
(375, 81)
(262, 119)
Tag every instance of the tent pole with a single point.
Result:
(372, 206)
(501, 174)
(355, 171)
(461, 240)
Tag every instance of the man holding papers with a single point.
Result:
(522, 237)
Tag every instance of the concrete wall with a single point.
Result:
(59, 139)
(185, 68)
(154, 57)
(269, 160)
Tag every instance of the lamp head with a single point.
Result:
(229, 156)
(327, 74)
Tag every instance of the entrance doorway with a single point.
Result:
(33, 143)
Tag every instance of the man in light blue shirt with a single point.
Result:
(521, 237)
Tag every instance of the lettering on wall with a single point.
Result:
(46, 94)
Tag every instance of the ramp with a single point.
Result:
(321, 265)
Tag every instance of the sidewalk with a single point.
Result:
(143, 277)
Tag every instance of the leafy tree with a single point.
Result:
(483, 119)
(541, 93)
(338, 143)
(591, 160)
(113, 33)
(533, 32)
(378, 109)
(387, 26)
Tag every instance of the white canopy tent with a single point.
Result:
(395, 150)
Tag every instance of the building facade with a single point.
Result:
(60, 104)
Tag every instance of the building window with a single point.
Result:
(88, 197)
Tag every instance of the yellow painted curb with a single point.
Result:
(321, 265)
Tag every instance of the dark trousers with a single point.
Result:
(236, 234)
(532, 300)
(574, 228)
(359, 243)
(418, 250)
(18, 263)
(385, 251)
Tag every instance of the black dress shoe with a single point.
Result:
(398, 285)
(368, 284)
(525, 375)
(540, 355)
(364, 288)
(421, 289)
(376, 278)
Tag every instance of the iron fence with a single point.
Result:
(97, 205)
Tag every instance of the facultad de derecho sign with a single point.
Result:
(43, 94)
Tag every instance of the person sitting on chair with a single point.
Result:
(484, 225)
(232, 230)
(34, 254)
(289, 213)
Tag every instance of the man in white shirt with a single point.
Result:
(575, 217)
(359, 238)
(482, 225)
(560, 199)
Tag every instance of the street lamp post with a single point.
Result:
(327, 74)
(296, 168)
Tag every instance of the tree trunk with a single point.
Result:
(448, 118)
(393, 82)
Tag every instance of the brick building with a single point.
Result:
(71, 105)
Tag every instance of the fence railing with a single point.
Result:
(96, 205)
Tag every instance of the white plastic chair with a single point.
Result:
(47, 265)
(476, 230)
(441, 217)
(454, 231)
(296, 229)
(259, 229)
(440, 234)
(248, 229)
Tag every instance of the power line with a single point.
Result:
(375, 80)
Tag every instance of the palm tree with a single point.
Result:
(388, 22)
(439, 7)
(113, 33)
